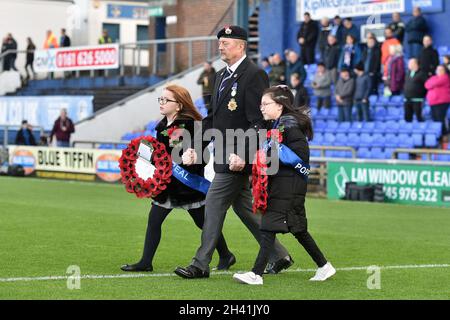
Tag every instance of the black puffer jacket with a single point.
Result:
(287, 189)
(179, 193)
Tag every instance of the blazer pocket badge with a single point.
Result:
(232, 105)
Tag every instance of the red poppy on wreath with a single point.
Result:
(276, 134)
(162, 161)
(174, 133)
(259, 182)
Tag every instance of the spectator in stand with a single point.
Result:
(398, 27)
(350, 29)
(388, 42)
(325, 29)
(438, 95)
(25, 136)
(331, 57)
(414, 91)
(105, 38)
(277, 75)
(394, 75)
(447, 61)
(50, 40)
(9, 44)
(62, 129)
(344, 91)
(362, 93)
(64, 41)
(300, 93)
(30, 58)
(307, 38)
(416, 29)
(265, 65)
(206, 80)
(350, 54)
(43, 142)
(338, 29)
(321, 85)
(429, 57)
(295, 65)
(371, 58)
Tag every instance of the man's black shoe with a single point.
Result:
(277, 266)
(226, 263)
(191, 272)
(136, 268)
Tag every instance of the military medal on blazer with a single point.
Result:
(232, 105)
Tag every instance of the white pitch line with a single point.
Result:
(159, 275)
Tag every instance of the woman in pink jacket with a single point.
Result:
(438, 95)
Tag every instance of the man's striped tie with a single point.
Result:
(227, 76)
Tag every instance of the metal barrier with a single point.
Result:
(145, 54)
(428, 152)
(6, 129)
(94, 144)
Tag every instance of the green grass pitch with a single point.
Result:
(46, 226)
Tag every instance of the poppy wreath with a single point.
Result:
(259, 182)
(162, 161)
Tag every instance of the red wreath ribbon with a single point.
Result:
(162, 161)
(259, 182)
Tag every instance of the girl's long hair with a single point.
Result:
(182, 96)
(283, 96)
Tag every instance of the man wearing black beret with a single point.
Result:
(235, 105)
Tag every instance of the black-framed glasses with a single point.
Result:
(164, 100)
(266, 104)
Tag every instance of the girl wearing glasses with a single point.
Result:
(179, 113)
(286, 188)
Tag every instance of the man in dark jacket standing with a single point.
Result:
(416, 29)
(372, 63)
(25, 135)
(64, 41)
(362, 92)
(414, 91)
(307, 38)
(235, 106)
(350, 29)
(206, 80)
(277, 74)
(344, 91)
(429, 57)
(397, 26)
(325, 29)
(295, 65)
(331, 57)
(62, 129)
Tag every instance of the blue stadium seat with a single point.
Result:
(364, 153)
(405, 141)
(365, 140)
(380, 127)
(431, 140)
(377, 153)
(391, 127)
(394, 113)
(405, 127)
(356, 127)
(315, 153)
(379, 113)
(352, 140)
(313, 113)
(434, 128)
(329, 139)
(442, 157)
(368, 127)
(320, 126)
(331, 126)
(341, 139)
(396, 101)
(382, 101)
(420, 127)
(417, 139)
(323, 113)
(378, 140)
(403, 156)
(343, 127)
(388, 153)
(373, 100)
(334, 113)
(318, 138)
(391, 141)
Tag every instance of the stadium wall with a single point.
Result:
(278, 25)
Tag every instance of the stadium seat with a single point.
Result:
(315, 153)
(318, 138)
(405, 127)
(323, 113)
(388, 153)
(340, 139)
(377, 153)
(368, 127)
(380, 127)
(320, 126)
(379, 113)
(352, 140)
(396, 101)
(343, 127)
(417, 139)
(382, 101)
(394, 113)
(378, 140)
(431, 140)
(420, 127)
(434, 128)
(366, 140)
(373, 100)
(356, 127)
(329, 139)
(405, 141)
(364, 153)
(331, 126)
(391, 141)
(391, 127)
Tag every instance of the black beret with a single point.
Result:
(233, 32)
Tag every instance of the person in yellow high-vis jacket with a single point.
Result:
(50, 41)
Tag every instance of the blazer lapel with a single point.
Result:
(216, 87)
(236, 75)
